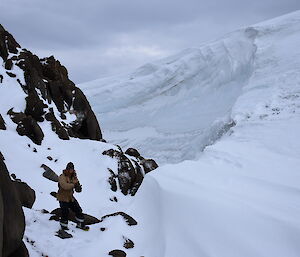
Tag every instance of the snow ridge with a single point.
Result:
(168, 109)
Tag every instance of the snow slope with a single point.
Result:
(168, 109)
(238, 198)
(241, 197)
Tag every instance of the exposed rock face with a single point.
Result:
(13, 195)
(2, 123)
(131, 170)
(132, 152)
(27, 126)
(51, 96)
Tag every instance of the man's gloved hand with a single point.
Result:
(78, 187)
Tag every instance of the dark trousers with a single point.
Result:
(75, 207)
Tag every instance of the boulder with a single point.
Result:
(148, 165)
(12, 222)
(27, 126)
(88, 219)
(131, 171)
(2, 123)
(132, 152)
(128, 243)
(25, 194)
(117, 253)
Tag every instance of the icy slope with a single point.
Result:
(241, 197)
(171, 109)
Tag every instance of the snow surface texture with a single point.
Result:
(171, 109)
(240, 198)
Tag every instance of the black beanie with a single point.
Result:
(70, 166)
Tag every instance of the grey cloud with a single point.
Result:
(101, 37)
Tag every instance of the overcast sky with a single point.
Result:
(96, 38)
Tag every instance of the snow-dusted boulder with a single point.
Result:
(131, 170)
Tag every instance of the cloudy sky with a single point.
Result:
(96, 38)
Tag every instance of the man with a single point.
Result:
(67, 182)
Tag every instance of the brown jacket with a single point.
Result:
(65, 188)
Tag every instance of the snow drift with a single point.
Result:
(171, 109)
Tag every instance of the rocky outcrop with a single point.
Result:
(2, 123)
(27, 126)
(132, 168)
(117, 253)
(13, 195)
(128, 219)
(51, 95)
(128, 243)
(88, 219)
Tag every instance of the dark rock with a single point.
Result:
(2, 123)
(44, 211)
(113, 199)
(35, 106)
(12, 75)
(49, 158)
(128, 219)
(112, 180)
(1, 78)
(54, 217)
(132, 152)
(53, 194)
(7, 44)
(20, 252)
(88, 219)
(149, 165)
(8, 64)
(49, 173)
(56, 125)
(102, 229)
(138, 178)
(27, 126)
(128, 244)
(34, 150)
(12, 221)
(25, 193)
(117, 253)
(126, 172)
(130, 173)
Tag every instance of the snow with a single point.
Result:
(172, 102)
(227, 192)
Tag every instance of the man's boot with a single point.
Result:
(64, 225)
(81, 224)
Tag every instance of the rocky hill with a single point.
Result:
(41, 110)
